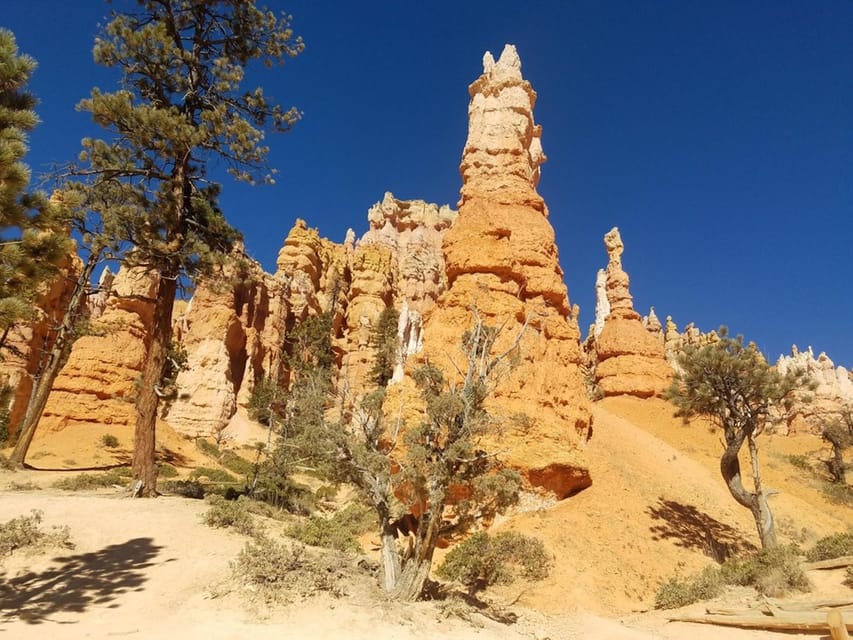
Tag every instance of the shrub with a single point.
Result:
(324, 532)
(848, 577)
(838, 493)
(25, 532)
(90, 481)
(675, 593)
(772, 572)
(109, 441)
(236, 463)
(186, 488)
(835, 546)
(800, 462)
(165, 470)
(483, 560)
(230, 514)
(276, 571)
(208, 448)
(213, 475)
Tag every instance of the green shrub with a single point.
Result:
(848, 577)
(212, 475)
(838, 493)
(675, 593)
(90, 481)
(324, 532)
(800, 462)
(236, 463)
(186, 488)
(835, 546)
(771, 572)
(483, 560)
(165, 470)
(208, 448)
(109, 441)
(24, 532)
(275, 571)
(230, 514)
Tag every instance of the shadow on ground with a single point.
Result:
(78, 582)
(692, 529)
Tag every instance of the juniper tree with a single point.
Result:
(180, 106)
(422, 462)
(33, 237)
(735, 386)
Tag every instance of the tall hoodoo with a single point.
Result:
(502, 260)
(629, 353)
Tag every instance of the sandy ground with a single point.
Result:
(149, 568)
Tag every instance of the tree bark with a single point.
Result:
(761, 510)
(390, 556)
(755, 502)
(415, 571)
(144, 437)
(45, 378)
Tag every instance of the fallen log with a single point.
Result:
(808, 622)
(833, 563)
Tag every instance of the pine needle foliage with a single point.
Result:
(33, 235)
(733, 385)
(180, 107)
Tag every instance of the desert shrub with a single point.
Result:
(25, 532)
(109, 441)
(208, 448)
(22, 486)
(483, 560)
(324, 532)
(357, 518)
(834, 546)
(848, 577)
(213, 475)
(236, 463)
(772, 572)
(276, 571)
(800, 462)
(89, 481)
(327, 492)
(285, 493)
(230, 514)
(165, 470)
(838, 493)
(675, 592)
(186, 488)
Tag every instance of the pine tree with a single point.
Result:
(735, 386)
(33, 237)
(179, 107)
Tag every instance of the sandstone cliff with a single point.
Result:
(502, 261)
(833, 391)
(627, 352)
(96, 386)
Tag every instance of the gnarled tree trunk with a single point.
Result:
(144, 465)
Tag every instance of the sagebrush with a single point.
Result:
(25, 532)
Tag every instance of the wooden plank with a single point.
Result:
(809, 622)
(837, 628)
(843, 604)
(833, 563)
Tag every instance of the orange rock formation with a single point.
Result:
(501, 259)
(629, 354)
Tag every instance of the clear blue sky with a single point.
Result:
(717, 135)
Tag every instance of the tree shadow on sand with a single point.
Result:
(692, 529)
(78, 582)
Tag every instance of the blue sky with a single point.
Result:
(717, 135)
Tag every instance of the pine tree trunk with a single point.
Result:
(55, 361)
(760, 509)
(144, 465)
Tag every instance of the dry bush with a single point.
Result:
(230, 514)
(276, 572)
(25, 532)
(834, 546)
